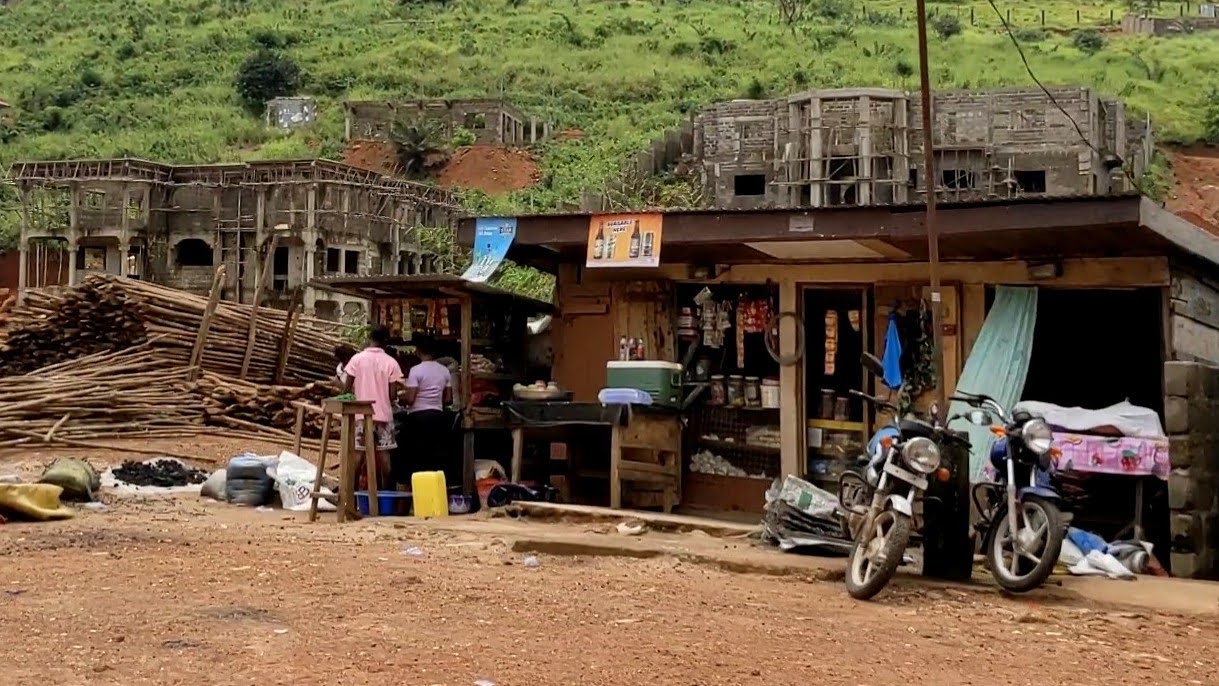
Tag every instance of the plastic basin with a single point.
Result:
(389, 503)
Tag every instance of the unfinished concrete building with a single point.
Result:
(493, 122)
(864, 146)
(174, 224)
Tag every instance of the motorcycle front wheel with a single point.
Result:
(1041, 532)
(875, 560)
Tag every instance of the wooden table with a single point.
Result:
(645, 441)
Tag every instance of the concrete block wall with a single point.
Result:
(737, 138)
(1191, 419)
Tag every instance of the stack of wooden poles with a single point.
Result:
(121, 358)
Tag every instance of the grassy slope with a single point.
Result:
(153, 78)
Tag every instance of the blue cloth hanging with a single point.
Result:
(892, 360)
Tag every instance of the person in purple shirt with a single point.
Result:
(429, 390)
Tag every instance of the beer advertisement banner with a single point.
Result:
(624, 240)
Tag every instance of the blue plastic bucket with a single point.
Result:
(389, 503)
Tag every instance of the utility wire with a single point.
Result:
(1029, 68)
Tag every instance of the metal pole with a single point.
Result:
(933, 236)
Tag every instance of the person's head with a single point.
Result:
(343, 353)
(425, 348)
(378, 337)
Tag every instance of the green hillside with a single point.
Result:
(155, 78)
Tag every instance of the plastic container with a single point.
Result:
(661, 380)
(431, 494)
(460, 504)
(770, 393)
(623, 396)
(246, 481)
(389, 503)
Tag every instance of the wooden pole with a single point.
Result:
(467, 417)
(213, 300)
(933, 236)
(263, 276)
(285, 341)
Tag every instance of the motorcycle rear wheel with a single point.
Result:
(1021, 574)
(866, 575)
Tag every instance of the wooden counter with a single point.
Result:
(644, 442)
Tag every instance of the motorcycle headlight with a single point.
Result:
(921, 454)
(1037, 436)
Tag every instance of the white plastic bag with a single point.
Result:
(294, 481)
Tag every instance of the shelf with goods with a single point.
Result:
(833, 445)
(732, 445)
(497, 357)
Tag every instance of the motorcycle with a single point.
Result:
(902, 456)
(1021, 521)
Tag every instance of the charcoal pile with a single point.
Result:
(801, 517)
(159, 473)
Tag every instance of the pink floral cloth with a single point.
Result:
(1112, 455)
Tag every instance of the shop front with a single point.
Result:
(766, 314)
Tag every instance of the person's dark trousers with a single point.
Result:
(422, 444)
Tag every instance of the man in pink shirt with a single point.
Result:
(373, 375)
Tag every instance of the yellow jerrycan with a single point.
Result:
(430, 494)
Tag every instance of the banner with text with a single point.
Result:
(624, 240)
(492, 238)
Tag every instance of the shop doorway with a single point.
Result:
(1094, 348)
(836, 334)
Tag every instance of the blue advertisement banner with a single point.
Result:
(492, 238)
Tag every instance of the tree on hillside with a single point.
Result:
(266, 74)
(1210, 117)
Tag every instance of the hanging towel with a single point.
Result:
(892, 361)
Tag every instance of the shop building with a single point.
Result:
(1079, 302)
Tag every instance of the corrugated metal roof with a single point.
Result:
(906, 206)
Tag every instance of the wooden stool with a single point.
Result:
(348, 412)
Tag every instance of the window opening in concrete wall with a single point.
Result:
(475, 120)
(91, 259)
(842, 181)
(193, 252)
(334, 260)
(351, 262)
(958, 179)
(1030, 181)
(95, 200)
(749, 184)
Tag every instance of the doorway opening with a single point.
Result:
(836, 323)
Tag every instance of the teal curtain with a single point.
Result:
(998, 364)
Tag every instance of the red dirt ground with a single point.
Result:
(1195, 193)
(491, 169)
(377, 156)
(169, 591)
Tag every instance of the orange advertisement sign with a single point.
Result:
(624, 240)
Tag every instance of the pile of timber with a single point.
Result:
(233, 403)
(129, 393)
(107, 313)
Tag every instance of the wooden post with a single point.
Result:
(263, 277)
(213, 299)
(467, 418)
(285, 341)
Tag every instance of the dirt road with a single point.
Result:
(193, 592)
(174, 593)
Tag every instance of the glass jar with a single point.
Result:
(717, 397)
(753, 391)
(736, 390)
